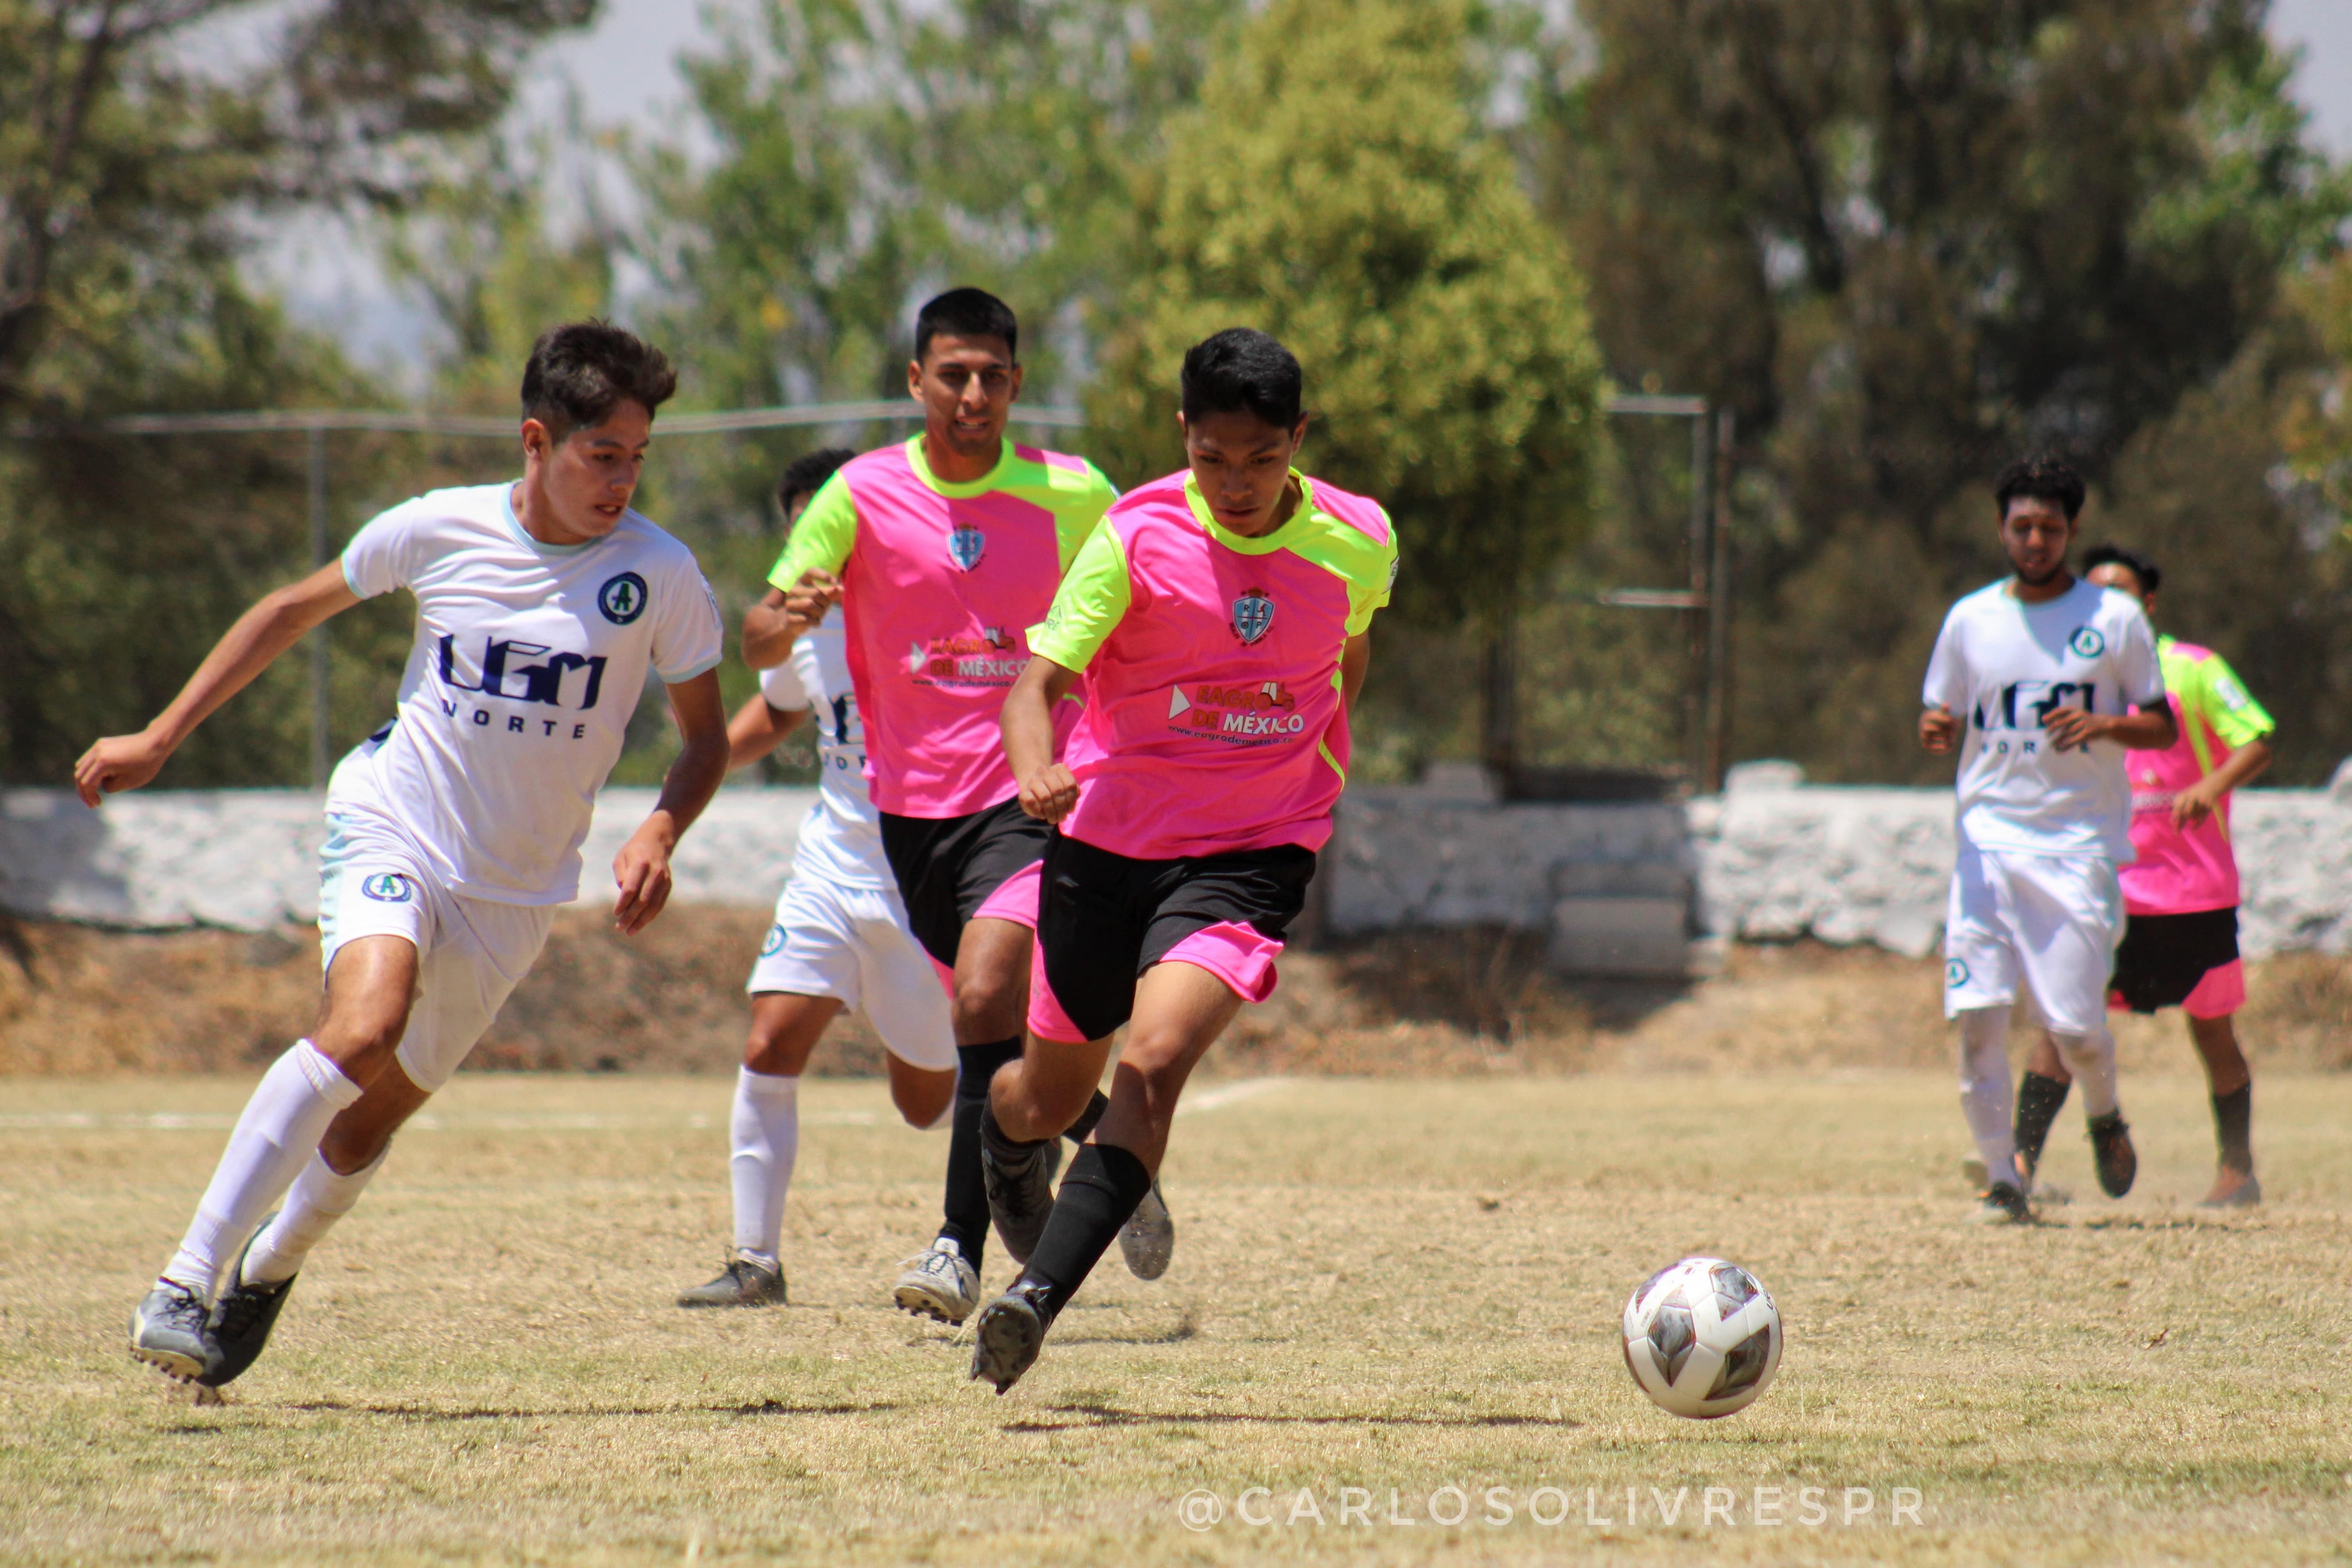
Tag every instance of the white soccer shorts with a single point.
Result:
(2051, 920)
(471, 953)
(853, 944)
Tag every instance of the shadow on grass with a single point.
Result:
(1111, 1415)
(526, 1413)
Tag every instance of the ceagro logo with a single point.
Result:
(988, 659)
(1264, 711)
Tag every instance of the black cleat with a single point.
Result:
(169, 1332)
(242, 1319)
(1020, 1194)
(1011, 1329)
(742, 1284)
(2002, 1203)
(2112, 1152)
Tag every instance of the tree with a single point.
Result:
(1905, 239)
(1334, 189)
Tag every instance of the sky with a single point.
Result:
(625, 70)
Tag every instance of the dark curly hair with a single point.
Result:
(580, 372)
(2045, 477)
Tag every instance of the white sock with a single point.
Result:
(320, 1196)
(2091, 1058)
(280, 1130)
(1987, 1095)
(766, 1131)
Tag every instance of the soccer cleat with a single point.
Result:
(168, 1331)
(1148, 1239)
(742, 1284)
(242, 1319)
(2113, 1155)
(1011, 1329)
(2234, 1190)
(939, 1284)
(1020, 1194)
(2002, 1203)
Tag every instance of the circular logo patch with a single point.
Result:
(2087, 643)
(388, 887)
(623, 597)
(773, 943)
(1955, 975)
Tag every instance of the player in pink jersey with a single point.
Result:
(2180, 895)
(1221, 619)
(942, 551)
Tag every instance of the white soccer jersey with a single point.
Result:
(2002, 666)
(528, 661)
(841, 836)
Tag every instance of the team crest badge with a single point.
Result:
(967, 544)
(623, 597)
(2087, 643)
(1253, 616)
(1955, 974)
(388, 887)
(774, 944)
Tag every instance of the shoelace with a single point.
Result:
(242, 1306)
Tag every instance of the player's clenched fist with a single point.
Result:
(1939, 731)
(1049, 793)
(117, 763)
(808, 600)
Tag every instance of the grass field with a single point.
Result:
(1394, 1286)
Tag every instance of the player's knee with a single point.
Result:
(987, 1007)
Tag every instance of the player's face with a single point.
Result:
(586, 480)
(967, 387)
(1241, 463)
(2122, 579)
(2036, 534)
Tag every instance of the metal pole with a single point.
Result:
(321, 761)
(1718, 612)
(1700, 683)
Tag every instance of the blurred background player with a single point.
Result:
(2181, 893)
(840, 940)
(540, 607)
(942, 550)
(1222, 618)
(2041, 681)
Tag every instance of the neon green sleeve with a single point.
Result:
(1093, 600)
(823, 538)
(1078, 510)
(2224, 702)
(1368, 590)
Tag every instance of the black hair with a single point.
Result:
(580, 372)
(806, 475)
(967, 313)
(2045, 477)
(2131, 560)
(1243, 371)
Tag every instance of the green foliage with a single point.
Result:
(1905, 239)
(1333, 189)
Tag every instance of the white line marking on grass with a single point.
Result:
(426, 1122)
(1230, 1094)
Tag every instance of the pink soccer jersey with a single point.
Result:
(940, 582)
(2181, 871)
(1213, 721)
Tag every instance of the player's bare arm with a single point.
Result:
(274, 624)
(2152, 729)
(1355, 663)
(2202, 799)
(1939, 730)
(1048, 789)
(772, 626)
(641, 870)
(757, 728)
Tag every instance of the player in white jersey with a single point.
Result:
(2034, 679)
(840, 940)
(540, 607)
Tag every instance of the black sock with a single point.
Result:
(1083, 1128)
(966, 1204)
(1098, 1194)
(2038, 1102)
(2233, 1124)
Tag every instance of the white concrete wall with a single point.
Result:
(1772, 859)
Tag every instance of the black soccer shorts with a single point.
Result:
(948, 867)
(2163, 956)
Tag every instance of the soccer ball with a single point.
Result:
(1701, 1338)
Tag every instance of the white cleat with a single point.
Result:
(1148, 1239)
(168, 1331)
(939, 1284)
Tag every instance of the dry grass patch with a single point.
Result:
(1379, 1285)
